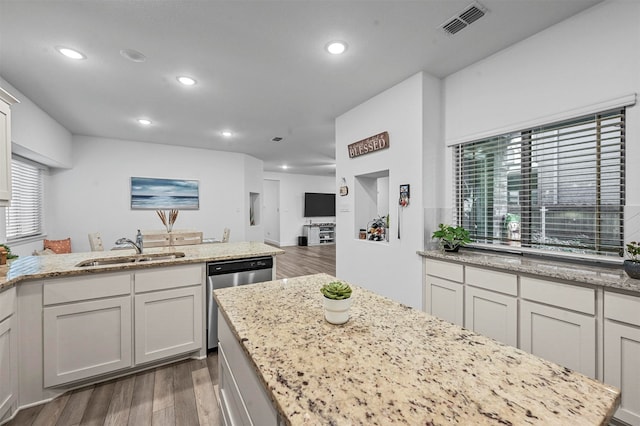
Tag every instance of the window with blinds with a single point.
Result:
(558, 187)
(24, 215)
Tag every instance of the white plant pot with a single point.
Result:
(337, 311)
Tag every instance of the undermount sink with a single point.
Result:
(129, 259)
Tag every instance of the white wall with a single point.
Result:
(94, 196)
(392, 269)
(35, 135)
(292, 189)
(271, 211)
(586, 60)
(253, 183)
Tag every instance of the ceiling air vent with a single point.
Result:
(471, 14)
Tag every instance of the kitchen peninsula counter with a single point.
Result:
(391, 363)
(60, 265)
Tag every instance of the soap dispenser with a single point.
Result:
(139, 240)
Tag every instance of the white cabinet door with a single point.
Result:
(622, 367)
(86, 339)
(313, 235)
(243, 397)
(445, 299)
(168, 322)
(564, 337)
(8, 366)
(492, 314)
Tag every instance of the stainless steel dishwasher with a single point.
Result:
(232, 273)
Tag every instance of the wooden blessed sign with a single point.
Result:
(368, 145)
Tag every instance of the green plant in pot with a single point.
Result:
(10, 256)
(451, 238)
(632, 265)
(337, 301)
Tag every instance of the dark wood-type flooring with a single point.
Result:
(180, 394)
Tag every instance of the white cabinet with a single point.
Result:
(492, 314)
(444, 295)
(243, 398)
(86, 327)
(558, 323)
(168, 312)
(6, 100)
(320, 233)
(491, 304)
(622, 352)
(8, 354)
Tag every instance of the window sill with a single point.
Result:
(575, 258)
(25, 240)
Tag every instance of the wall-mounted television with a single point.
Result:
(318, 204)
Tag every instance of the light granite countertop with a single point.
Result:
(49, 266)
(393, 364)
(580, 273)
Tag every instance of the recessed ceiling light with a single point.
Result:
(226, 133)
(284, 167)
(133, 55)
(70, 53)
(336, 47)
(187, 81)
(144, 121)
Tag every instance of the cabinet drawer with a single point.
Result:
(447, 270)
(622, 307)
(501, 282)
(165, 278)
(7, 303)
(75, 289)
(581, 299)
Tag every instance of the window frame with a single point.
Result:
(39, 232)
(462, 171)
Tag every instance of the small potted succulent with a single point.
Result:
(337, 301)
(451, 238)
(632, 265)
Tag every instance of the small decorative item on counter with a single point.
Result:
(377, 229)
(337, 301)
(168, 219)
(363, 234)
(451, 238)
(5, 254)
(632, 265)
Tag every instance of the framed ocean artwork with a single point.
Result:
(159, 194)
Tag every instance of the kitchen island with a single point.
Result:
(388, 363)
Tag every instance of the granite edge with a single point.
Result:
(569, 272)
(11, 280)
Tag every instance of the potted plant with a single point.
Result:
(632, 265)
(337, 301)
(451, 238)
(10, 256)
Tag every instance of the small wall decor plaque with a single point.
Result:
(369, 145)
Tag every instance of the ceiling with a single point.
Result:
(261, 68)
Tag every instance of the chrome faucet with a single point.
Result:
(137, 245)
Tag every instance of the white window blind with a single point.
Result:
(558, 187)
(24, 215)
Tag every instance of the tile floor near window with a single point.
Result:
(180, 394)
